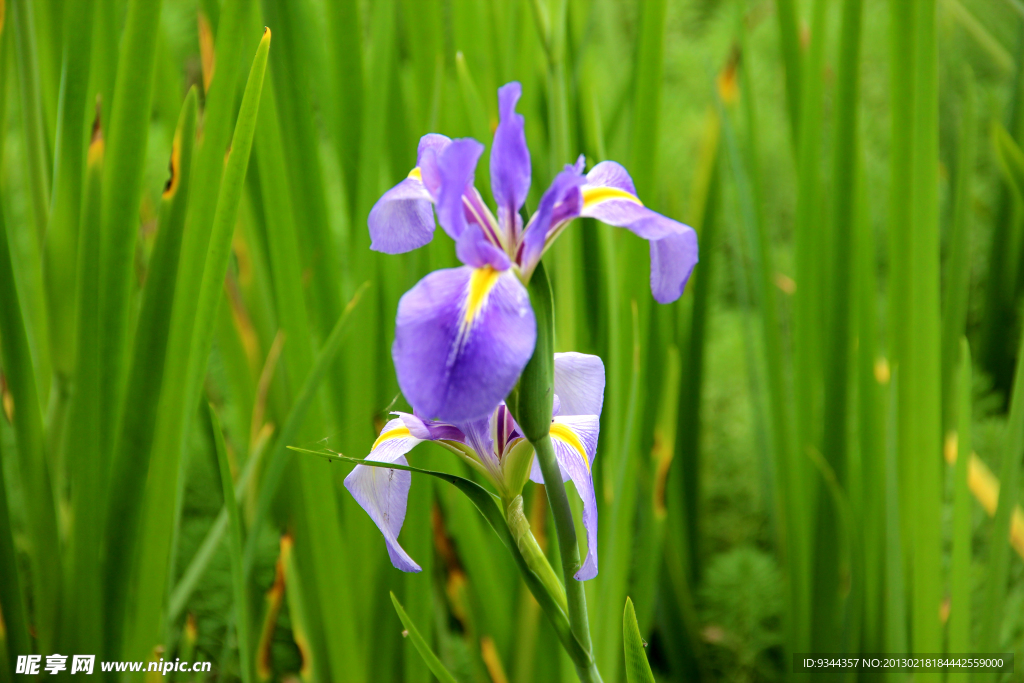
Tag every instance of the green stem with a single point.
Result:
(532, 406)
(531, 551)
(569, 551)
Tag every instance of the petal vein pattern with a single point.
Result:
(462, 337)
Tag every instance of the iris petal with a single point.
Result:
(579, 384)
(402, 219)
(456, 165)
(510, 157)
(575, 442)
(560, 203)
(610, 197)
(462, 337)
(384, 493)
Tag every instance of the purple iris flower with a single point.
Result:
(464, 335)
(495, 447)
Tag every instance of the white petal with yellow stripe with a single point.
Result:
(383, 493)
(575, 441)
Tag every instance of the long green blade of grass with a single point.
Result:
(84, 608)
(920, 376)
(826, 598)
(11, 584)
(127, 136)
(960, 570)
(145, 376)
(28, 430)
(999, 550)
(413, 633)
(241, 597)
(33, 116)
(177, 400)
(958, 271)
(638, 669)
(315, 498)
(61, 233)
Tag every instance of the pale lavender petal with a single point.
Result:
(402, 219)
(430, 147)
(474, 249)
(579, 384)
(456, 166)
(383, 493)
(610, 197)
(462, 337)
(672, 261)
(510, 157)
(561, 202)
(575, 442)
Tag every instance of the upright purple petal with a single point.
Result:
(575, 442)
(402, 219)
(430, 147)
(610, 197)
(456, 165)
(384, 493)
(480, 439)
(561, 202)
(579, 384)
(474, 249)
(462, 337)
(510, 157)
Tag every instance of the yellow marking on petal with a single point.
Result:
(599, 195)
(396, 433)
(481, 282)
(415, 173)
(564, 434)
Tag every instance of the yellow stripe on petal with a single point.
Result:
(396, 433)
(415, 173)
(565, 435)
(481, 282)
(598, 195)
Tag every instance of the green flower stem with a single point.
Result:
(530, 549)
(533, 405)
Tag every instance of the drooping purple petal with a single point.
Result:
(510, 157)
(462, 337)
(575, 442)
(456, 165)
(672, 262)
(384, 493)
(402, 219)
(579, 384)
(561, 202)
(610, 197)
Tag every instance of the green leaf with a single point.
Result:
(192, 323)
(11, 597)
(960, 569)
(16, 361)
(145, 376)
(638, 670)
(1010, 157)
(241, 599)
(433, 663)
(127, 137)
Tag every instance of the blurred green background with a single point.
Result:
(798, 456)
